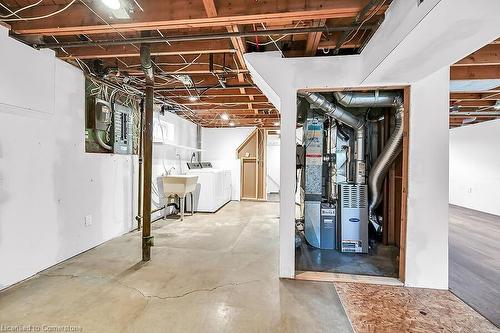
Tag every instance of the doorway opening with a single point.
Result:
(352, 152)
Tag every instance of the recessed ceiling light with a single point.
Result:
(231, 123)
(112, 4)
(224, 116)
(193, 98)
(497, 105)
(276, 123)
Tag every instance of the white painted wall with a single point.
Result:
(427, 217)
(175, 135)
(273, 164)
(475, 166)
(406, 50)
(48, 184)
(219, 147)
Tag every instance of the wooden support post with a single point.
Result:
(147, 239)
(140, 192)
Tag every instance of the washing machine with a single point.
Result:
(213, 189)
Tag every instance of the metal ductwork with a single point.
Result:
(381, 166)
(358, 99)
(358, 124)
(393, 146)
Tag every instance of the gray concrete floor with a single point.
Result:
(210, 273)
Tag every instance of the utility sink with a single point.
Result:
(180, 185)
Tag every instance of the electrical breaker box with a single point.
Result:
(122, 129)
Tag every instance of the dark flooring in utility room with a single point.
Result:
(474, 239)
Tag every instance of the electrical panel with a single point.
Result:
(102, 115)
(122, 129)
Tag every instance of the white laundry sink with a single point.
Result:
(179, 184)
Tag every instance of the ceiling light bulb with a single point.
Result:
(224, 116)
(231, 123)
(112, 4)
(276, 123)
(193, 98)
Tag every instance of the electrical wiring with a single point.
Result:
(41, 17)
(14, 13)
(275, 40)
(62, 48)
(363, 22)
(275, 44)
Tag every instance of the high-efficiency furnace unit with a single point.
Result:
(343, 173)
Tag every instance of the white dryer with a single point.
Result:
(213, 189)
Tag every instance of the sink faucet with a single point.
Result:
(169, 172)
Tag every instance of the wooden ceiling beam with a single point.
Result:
(210, 8)
(205, 109)
(488, 55)
(474, 103)
(260, 105)
(313, 39)
(266, 12)
(234, 113)
(128, 51)
(475, 72)
(222, 100)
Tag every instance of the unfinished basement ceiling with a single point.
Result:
(204, 76)
(475, 87)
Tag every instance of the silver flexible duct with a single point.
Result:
(393, 146)
(381, 166)
(359, 99)
(358, 124)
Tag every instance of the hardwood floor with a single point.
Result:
(474, 253)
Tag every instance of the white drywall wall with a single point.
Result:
(475, 166)
(174, 138)
(48, 184)
(404, 51)
(447, 31)
(273, 164)
(427, 217)
(219, 147)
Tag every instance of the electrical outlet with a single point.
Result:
(88, 220)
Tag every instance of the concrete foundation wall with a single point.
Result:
(475, 166)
